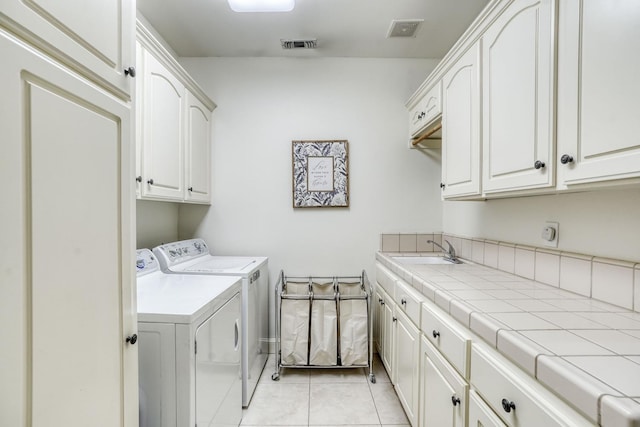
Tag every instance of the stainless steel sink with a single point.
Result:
(422, 260)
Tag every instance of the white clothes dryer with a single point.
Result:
(193, 257)
(189, 347)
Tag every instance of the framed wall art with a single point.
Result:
(320, 174)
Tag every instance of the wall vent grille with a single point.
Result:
(299, 44)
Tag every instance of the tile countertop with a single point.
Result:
(584, 350)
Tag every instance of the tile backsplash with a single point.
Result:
(612, 281)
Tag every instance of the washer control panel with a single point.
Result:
(146, 262)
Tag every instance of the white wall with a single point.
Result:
(604, 223)
(156, 223)
(264, 104)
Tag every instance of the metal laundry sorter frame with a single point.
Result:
(296, 295)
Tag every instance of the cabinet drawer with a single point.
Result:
(452, 341)
(386, 279)
(427, 109)
(480, 414)
(515, 397)
(408, 300)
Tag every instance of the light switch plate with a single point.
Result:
(550, 233)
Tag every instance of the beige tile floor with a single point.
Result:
(324, 397)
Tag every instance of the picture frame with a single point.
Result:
(320, 174)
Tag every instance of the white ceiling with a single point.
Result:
(343, 28)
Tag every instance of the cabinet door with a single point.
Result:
(378, 307)
(67, 248)
(218, 390)
(137, 107)
(162, 132)
(480, 415)
(461, 127)
(388, 326)
(198, 151)
(427, 109)
(406, 363)
(598, 91)
(443, 393)
(518, 98)
(94, 38)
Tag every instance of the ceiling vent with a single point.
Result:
(404, 27)
(299, 44)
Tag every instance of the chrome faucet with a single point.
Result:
(449, 254)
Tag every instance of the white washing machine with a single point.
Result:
(193, 257)
(189, 347)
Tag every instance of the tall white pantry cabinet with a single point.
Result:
(67, 306)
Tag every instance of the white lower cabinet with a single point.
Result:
(480, 415)
(517, 398)
(387, 332)
(67, 299)
(406, 364)
(443, 392)
(445, 375)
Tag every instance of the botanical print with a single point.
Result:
(320, 174)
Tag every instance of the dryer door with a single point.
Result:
(218, 385)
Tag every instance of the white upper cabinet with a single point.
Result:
(93, 38)
(518, 97)
(427, 109)
(173, 136)
(163, 111)
(461, 127)
(598, 91)
(198, 152)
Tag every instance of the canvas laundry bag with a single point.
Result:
(354, 326)
(324, 326)
(294, 325)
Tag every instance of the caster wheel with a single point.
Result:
(372, 378)
(275, 377)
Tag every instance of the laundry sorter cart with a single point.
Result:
(323, 322)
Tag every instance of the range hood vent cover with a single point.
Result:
(404, 27)
(299, 44)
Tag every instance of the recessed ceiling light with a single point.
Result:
(262, 5)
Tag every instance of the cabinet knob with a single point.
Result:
(131, 72)
(138, 178)
(395, 319)
(379, 300)
(442, 185)
(190, 188)
(455, 400)
(566, 159)
(132, 339)
(435, 333)
(150, 182)
(508, 405)
(403, 301)
(538, 164)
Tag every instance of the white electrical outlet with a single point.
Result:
(550, 234)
